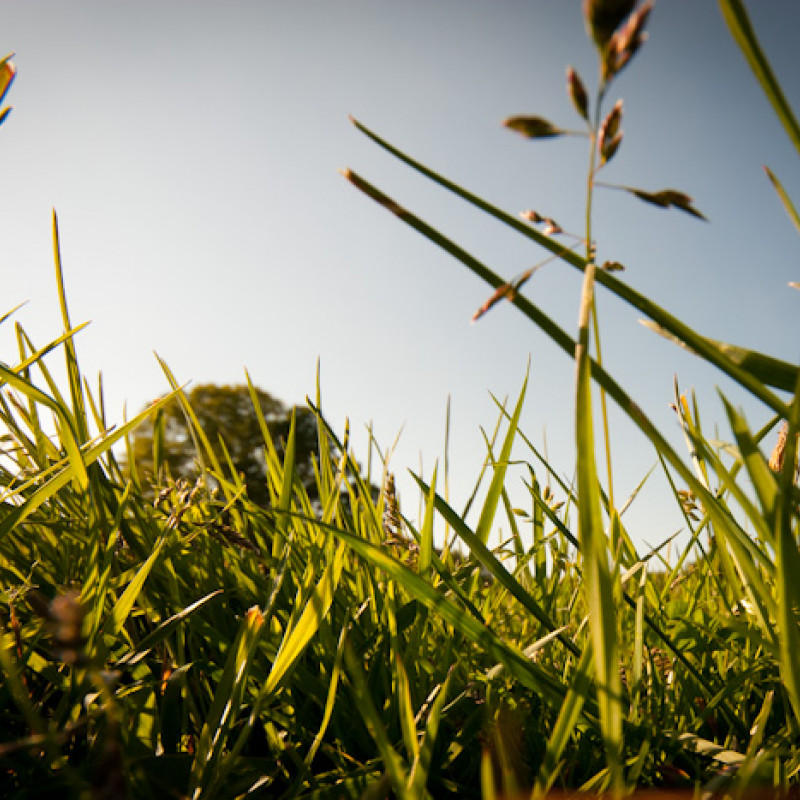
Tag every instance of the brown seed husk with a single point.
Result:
(603, 17)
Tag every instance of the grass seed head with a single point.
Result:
(577, 93)
(610, 136)
(603, 17)
(392, 520)
(625, 42)
(776, 460)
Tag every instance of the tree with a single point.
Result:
(226, 414)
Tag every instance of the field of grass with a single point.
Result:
(203, 646)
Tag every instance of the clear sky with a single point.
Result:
(191, 151)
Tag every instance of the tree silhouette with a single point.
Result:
(226, 414)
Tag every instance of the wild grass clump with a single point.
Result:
(182, 640)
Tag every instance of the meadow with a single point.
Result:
(171, 638)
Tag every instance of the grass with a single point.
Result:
(204, 646)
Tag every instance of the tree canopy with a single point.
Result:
(226, 415)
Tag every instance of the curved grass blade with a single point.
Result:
(658, 314)
(771, 371)
(123, 606)
(735, 15)
(311, 612)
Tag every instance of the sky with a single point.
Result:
(192, 149)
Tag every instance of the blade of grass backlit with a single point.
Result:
(772, 371)
(499, 468)
(124, 604)
(426, 532)
(163, 631)
(206, 451)
(761, 476)
(62, 478)
(67, 436)
(73, 371)
(406, 713)
(285, 498)
(794, 216)
(37, 355)
(312, 611)
(598, 580)
(738, 22)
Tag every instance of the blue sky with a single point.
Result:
(191, 151)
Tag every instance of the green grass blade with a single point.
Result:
(37, 355)
(73, 370)
(406, 713)
(738, 22)
(771, 371)
(787, 562)
(491, 563)
(393, 764)
(794, 216)
(204, 450)
(499, 469)
(285, 499)
(67, 436)
(568, 717)
(425, 557)
(124, 605)
(420, 769)
(297, 636)
(761, 476)
(224, 711)
(598, 580)
(164, 630)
